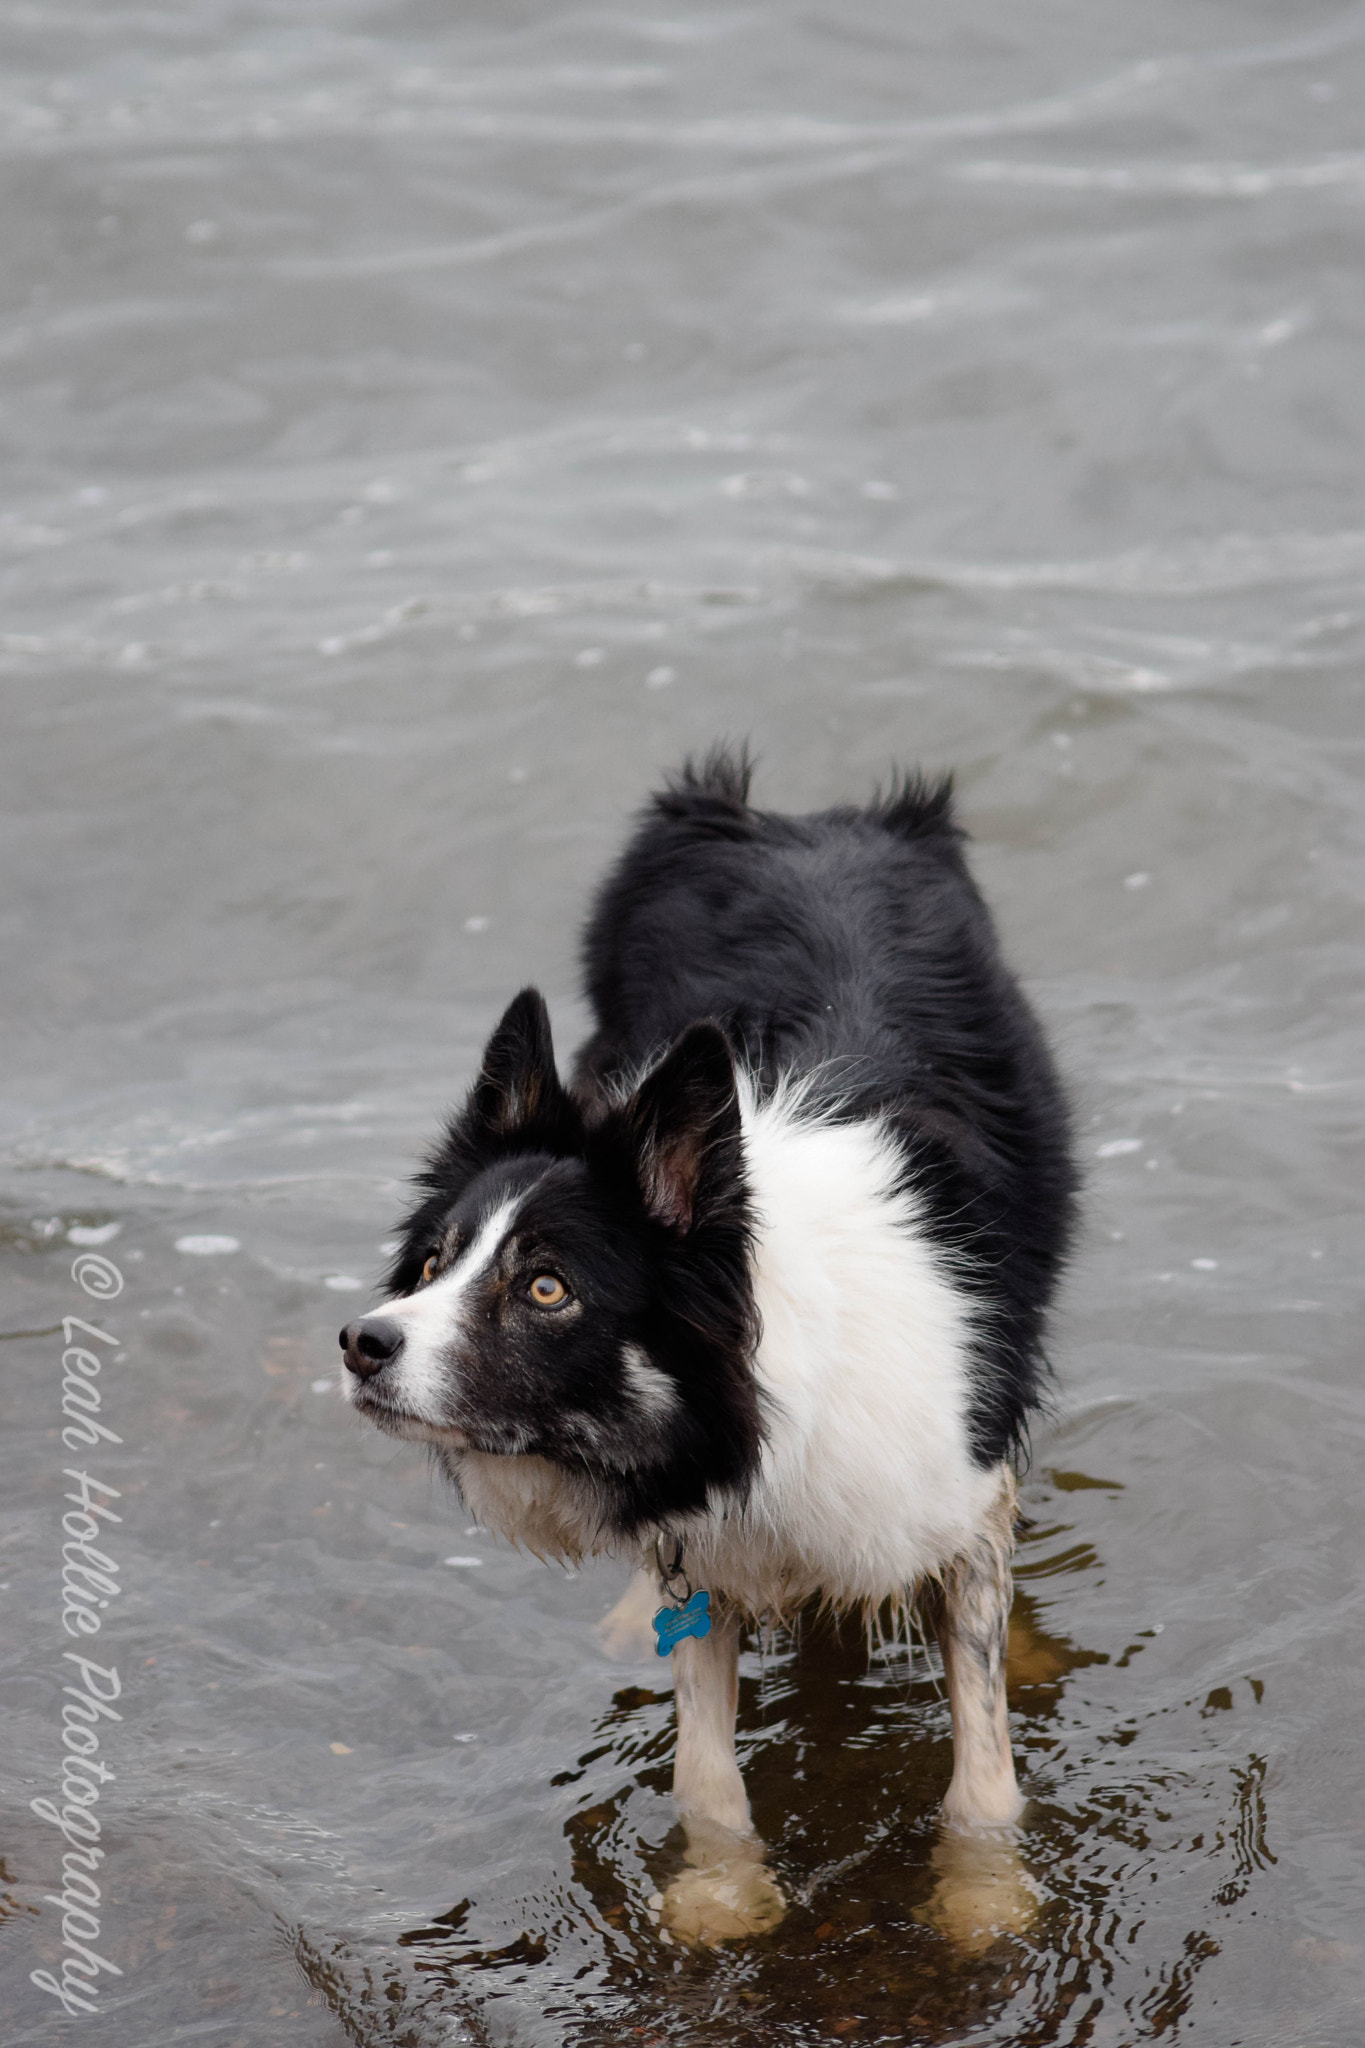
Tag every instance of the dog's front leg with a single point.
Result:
(727, 1889)
(706, 1780)
(626, 1631)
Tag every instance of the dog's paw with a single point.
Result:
(722, 1901)
(983, 1890)
(627, 1633)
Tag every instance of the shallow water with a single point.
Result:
(420, 426)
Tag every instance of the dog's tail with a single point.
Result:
(714, 791)
(917, 806)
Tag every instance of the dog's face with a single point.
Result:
(577, 1291)
(516, 1333)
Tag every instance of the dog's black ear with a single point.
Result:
(684, 1127)
(519, 1091)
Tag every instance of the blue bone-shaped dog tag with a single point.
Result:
(693, 1618)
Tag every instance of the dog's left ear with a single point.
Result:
(519, 1092)
(684, 1127)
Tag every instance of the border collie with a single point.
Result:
(758, 1298)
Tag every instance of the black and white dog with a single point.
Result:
(758, 1299)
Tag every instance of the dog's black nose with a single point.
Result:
(370, 1343)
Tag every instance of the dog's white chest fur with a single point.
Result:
(866, 1483)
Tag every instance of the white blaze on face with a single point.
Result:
(433, 1319)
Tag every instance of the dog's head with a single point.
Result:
(576, 1286)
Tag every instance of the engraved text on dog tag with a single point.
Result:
(693, 1618)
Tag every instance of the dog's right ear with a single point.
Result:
(519, 1093)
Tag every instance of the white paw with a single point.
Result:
(722, 1901)
(983, 1890)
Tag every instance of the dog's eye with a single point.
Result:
(547, 1290)
(429, 1270)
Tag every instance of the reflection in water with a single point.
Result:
(847, 1759)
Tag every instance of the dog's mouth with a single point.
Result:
(416, 1429)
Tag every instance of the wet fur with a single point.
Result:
(810, 1191)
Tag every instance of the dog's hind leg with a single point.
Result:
(727, 1890)
(983, 1889)
(973, 1630)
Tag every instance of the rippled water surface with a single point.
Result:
(420, 425)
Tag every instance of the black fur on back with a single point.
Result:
(853, 946)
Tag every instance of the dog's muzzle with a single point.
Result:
(369, 1344)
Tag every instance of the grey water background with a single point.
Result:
(420, 426)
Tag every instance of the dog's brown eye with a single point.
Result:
(548, 1291)
(429, 1270)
